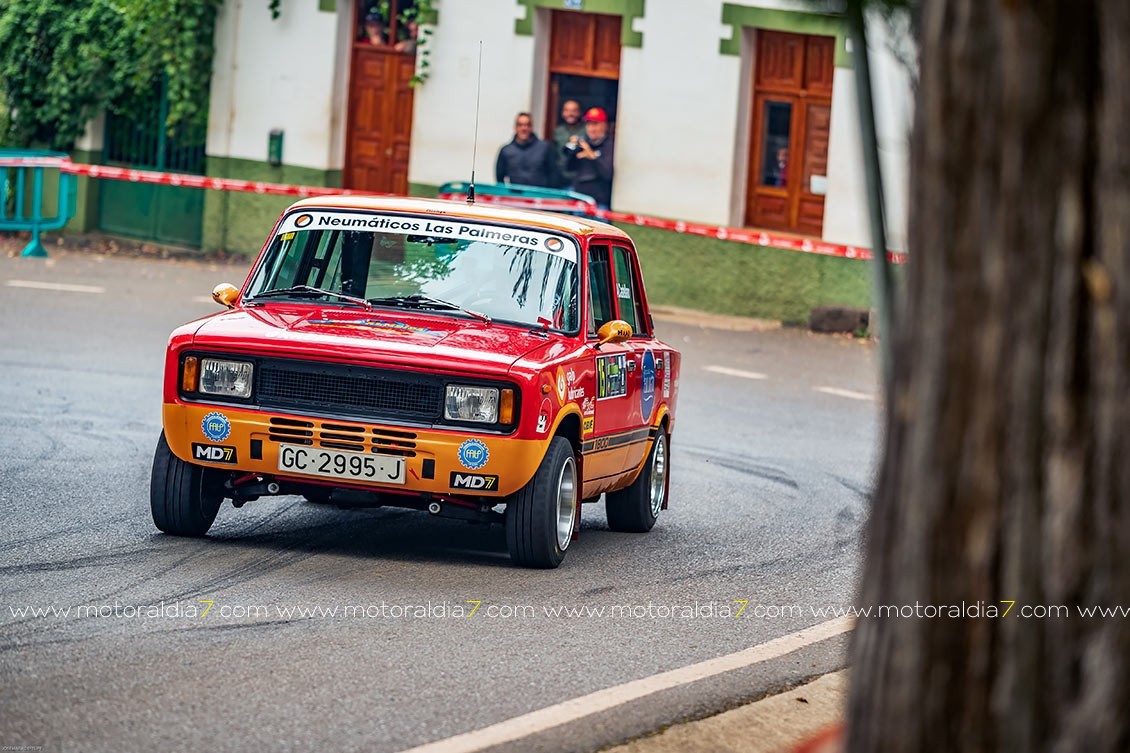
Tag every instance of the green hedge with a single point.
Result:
(726, 277)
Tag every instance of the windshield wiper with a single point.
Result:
(311, 290)
(419, 300)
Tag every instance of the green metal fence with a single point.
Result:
(166, 214)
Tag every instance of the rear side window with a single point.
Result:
(627, 292)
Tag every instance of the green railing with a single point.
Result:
(164, 214)
(145, 141)
(31, 179)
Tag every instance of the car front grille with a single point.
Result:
(359, 391)
(342, 437)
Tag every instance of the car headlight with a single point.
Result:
(228, 378)
(466, 403)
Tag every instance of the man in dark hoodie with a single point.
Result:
(527, 160)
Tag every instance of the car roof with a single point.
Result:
(581, 226)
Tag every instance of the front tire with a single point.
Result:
(636, 508)
(541, 516)
(183, 497)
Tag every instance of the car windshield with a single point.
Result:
(458, 268)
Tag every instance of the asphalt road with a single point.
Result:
(771, 460)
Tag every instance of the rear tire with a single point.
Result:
(636, 508)
(541, 516)
(184, 498)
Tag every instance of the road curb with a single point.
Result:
(694, 317)
(778, 724)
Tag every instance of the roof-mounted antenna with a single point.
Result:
(475, 143)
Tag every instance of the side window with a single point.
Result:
(600, 290)
(627, 294)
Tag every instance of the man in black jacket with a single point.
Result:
(526, 160)
(592, 159)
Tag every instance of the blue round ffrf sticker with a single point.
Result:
(216, 427)
(647, 386)
(473, 454)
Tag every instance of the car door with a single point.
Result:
(609, 412)
(643, 359)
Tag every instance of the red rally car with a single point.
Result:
(477, 362)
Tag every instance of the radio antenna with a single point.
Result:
(475, 143)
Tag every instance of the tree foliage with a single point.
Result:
(61, 63)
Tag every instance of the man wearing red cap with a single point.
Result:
(592, 159)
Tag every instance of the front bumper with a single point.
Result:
(447, 462)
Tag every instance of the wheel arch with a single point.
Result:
(569, 427)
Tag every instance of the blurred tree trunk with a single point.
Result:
(1006, 473)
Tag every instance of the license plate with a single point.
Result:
(354, 466)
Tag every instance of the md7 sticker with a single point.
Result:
(474, 481)
(611, 376)
(214, 453)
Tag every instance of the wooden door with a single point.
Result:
(380, 120)
(585, 44)
(580, 44)
(791, 119)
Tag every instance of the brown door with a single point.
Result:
(791, 116)
(380, 120)
(584, 62)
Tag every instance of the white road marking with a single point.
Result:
(578, 708)
(736, 372)
(60, 286)
(850, 394)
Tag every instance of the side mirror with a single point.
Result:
(225, 294)
(615, 331)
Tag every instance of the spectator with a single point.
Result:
(408, 44)
(591, 159)
(374, 30)
(569, 131)
(526, 160)
(779, 171)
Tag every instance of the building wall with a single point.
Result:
(272, 74)
(678, 116)
(682, 133)
(443, 121)
(683, 123)
(290, 74)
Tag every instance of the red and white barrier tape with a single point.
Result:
(200, 181)
(735, 234)
(752, 236)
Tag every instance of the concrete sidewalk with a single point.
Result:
(778, 724)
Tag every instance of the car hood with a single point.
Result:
(380, 336)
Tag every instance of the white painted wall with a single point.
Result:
(845, 208)
(846, 217)
(682, 145)
(677, 116)
(272, 74)
(443, 118)
(682, 130)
